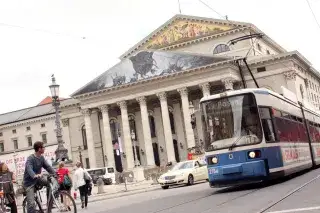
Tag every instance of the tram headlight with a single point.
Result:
(214, 160)
(252, 154)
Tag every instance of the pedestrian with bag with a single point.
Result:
(7, 187)
(80, 179)
(65, 182)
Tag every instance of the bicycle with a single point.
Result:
(53, 195)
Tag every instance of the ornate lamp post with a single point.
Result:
(133, 137)
(61, 152)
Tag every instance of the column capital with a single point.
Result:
(122, 104)
(290, 75)
(65, 122)
(205, 88)
(228, 83)
(86, 112)
(104, 108)
(142, 100)
(162, 95)
(183, 91)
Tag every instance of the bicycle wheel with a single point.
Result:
(68, 204)
(24, 206)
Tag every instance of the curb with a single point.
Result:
(121, 194)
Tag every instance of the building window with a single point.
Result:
(87, 163)
(173, 130)
(43, 125)
(1, 146)
(152, 125)
(15, 144)
(221, 48)
(84, 137)
(44, 137)
(1, 134)
(261, 69)
(28, 128)
(268, 52)
(14, 131)
(29, 138)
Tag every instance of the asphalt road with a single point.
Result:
(200, 198)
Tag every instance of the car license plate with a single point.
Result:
(169, 181)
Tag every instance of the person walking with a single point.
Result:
(80, 179)
(65, 182)
(7, 175)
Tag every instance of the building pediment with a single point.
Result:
(182, 28)
(147, 65)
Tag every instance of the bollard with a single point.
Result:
(100, 185)
(125, 183)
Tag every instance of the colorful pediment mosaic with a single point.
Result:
(183, 30)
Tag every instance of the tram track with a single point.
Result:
(265, 209)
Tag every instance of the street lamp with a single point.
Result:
(61, 152)
(80, 155)
(133, 137)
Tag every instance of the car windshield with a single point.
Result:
(183, 165)
(230, 121)
(97, 172)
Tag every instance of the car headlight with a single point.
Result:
(214, 160)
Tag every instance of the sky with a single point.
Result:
(77, 40)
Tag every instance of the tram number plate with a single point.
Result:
(213, 171)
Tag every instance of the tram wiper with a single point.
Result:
(235, 143)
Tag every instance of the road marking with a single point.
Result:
(297, 210)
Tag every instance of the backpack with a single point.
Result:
(66, 181)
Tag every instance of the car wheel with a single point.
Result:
(165, 187)
(190, 180)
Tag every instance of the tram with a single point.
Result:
(254, 135)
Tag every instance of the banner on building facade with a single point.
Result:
(16, 161)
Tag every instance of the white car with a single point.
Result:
(186, 172)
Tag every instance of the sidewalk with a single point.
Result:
(113, 191)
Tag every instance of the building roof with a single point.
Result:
(183, 29)
(147, 65)
(27, 113)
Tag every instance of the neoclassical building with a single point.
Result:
(141, 105)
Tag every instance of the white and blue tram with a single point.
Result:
(254, 135)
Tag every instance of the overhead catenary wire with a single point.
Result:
(314, 16)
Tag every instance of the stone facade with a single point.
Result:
(139, 109)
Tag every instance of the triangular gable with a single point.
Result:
(183, 28)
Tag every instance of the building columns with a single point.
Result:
(126, 134)
(228, 83)
(205, 88)
(108, 148)
(166, 126)
(146, 131)
(187, 117)
(90, 142)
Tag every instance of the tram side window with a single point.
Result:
(267, 125)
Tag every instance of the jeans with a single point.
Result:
(84, 194)
(30, 192)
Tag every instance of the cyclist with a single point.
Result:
(32, 174)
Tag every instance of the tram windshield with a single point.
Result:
(230, 121)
